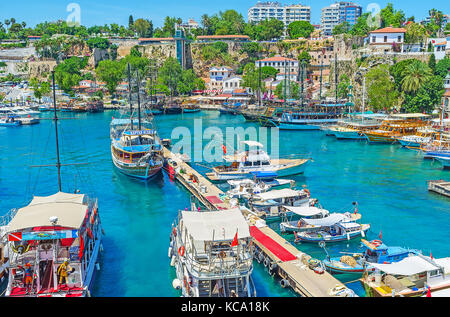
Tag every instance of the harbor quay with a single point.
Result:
(288, 151)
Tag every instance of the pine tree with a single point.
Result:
(432, 62)
(130, 22)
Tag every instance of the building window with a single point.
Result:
(399, 38)
(374, 39)
(385, 39)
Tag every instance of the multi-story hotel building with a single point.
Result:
(338, 13)
(275, 10)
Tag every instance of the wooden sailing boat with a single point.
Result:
(53, 243)
(136, 152)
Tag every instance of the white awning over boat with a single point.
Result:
(410, 115)
(279, 193)
(216, 225)
(327, 221)
(252, 143)
(409, 266)
(67, 207)
(306, 211)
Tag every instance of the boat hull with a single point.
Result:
(374, 138)
(141, 172)
(338, 238)
(353, 135)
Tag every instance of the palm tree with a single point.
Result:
(24, 24)
(13, 20)
(7, 22)
(414, 76)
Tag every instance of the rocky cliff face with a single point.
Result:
(40, 69)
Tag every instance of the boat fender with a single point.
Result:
(181, 250)
(222, 254)
(319, 270)
(284, 283)
(176, 283)
(261, 257)
(273, 266)
(266, 262)
(172, 261)
(170, 251)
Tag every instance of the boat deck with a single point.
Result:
(439, 186)
(276, 249)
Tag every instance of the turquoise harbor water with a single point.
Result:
(388, 182)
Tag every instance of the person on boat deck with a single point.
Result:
(28, 276)
(62, 271)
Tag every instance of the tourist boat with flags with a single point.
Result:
(255, 160)
(310, 118)
(413, 276)
(212, 257)
(53, 244)
(136, 148)
(375, 251)
(396, 127)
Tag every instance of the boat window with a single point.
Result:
(247, 163)
(265, 163)
(434, 273)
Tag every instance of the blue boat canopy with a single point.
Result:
(264, 174)
(140, 132)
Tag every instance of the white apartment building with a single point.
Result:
(286, 67)
(275, 10)
(338, 13)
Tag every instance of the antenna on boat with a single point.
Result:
(58, 163)
(138, 99)
(129, 92)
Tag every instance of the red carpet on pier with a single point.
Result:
(273, 246)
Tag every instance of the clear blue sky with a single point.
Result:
(117, 11)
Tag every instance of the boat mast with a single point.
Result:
(58, 163)
(259, 97)
(336, 81)
(129, 98)
(364, 97)
(138, 99)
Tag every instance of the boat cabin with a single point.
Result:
(213, 258)
(51, 232)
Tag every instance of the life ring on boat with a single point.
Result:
(221, 254)
(307, 192)
(377, 243)
(181, 250)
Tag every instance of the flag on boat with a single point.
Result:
(224, 148)
(428, 291)
(380, 235)
(431, 256)
(17, 236)
(356, 209)
(235, 241)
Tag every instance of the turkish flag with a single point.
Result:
(380, 235)
(81, 251)
(428, 292)
(235, 241)
(224, 148)
(356, 209)
(431, 256)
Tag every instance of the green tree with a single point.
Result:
(414, 76)
(265, 30)
(432, 63)
(111, 72)
(443, 67)
(381, 88)
(427, 97)
(300, 29)
(342, 28)
(68, 73)
(343, 86)
(98, 42)
(415, 33)
(392, 17)
(131, 22)
(144, 28)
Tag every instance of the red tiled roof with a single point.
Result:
(231, 36)
(390, 30)
(447, 93)
(276, 59)
(156, 39)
